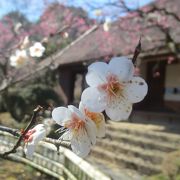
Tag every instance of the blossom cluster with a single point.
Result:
(24, 53)
(113, 88)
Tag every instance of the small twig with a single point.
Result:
(14, 132)
(58, 143)
(137, 52)
(61, 30)
(32, 122)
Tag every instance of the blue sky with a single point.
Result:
(34, 8)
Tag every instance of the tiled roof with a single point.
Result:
(122, 38)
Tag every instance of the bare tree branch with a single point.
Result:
(32, 122)
(16, 133)
(137, 52)
(58, 142)
(43, 65)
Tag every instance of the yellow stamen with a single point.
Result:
(113, 87)
(75, 123)
(96, 117)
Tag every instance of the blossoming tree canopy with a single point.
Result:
(32, 138)
(113, 88)
(21, 56)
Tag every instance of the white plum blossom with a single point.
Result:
(36, 50)
(81, 131)
(19, 59)
(97, 118)
(32, 137)
(65, 35)
(107, 24)
(113, 88)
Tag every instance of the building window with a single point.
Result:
(172, 94)
(172, 83)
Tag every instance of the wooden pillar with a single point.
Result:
(156, 86)
(66, 80)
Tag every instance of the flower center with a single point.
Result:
(36, 50)
(20, 60)
(113, 87)
(28, 136)
(75, 123)
(96, 117)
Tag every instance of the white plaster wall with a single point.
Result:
(173, 75)
(172, 80)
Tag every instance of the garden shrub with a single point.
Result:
(21, 102)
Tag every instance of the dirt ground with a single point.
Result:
(10, 170)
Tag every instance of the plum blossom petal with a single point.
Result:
(97, 73)
(97, 118)
(40, 133)
(75, 110)
(67, 136)
(122, 67)
(81, 144)
(91, 131)
(61, 115)
(94, 100)
(89, 125)
(34, 136)
(118, 109)
(81, 108)
(29, 150)
(136, 89)
(100, 124)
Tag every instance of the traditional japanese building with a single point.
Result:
(158, 25)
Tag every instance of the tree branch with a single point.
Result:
(137, 52)
(58, 142)
(32, 122)
(16, 133)
(44, 65)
